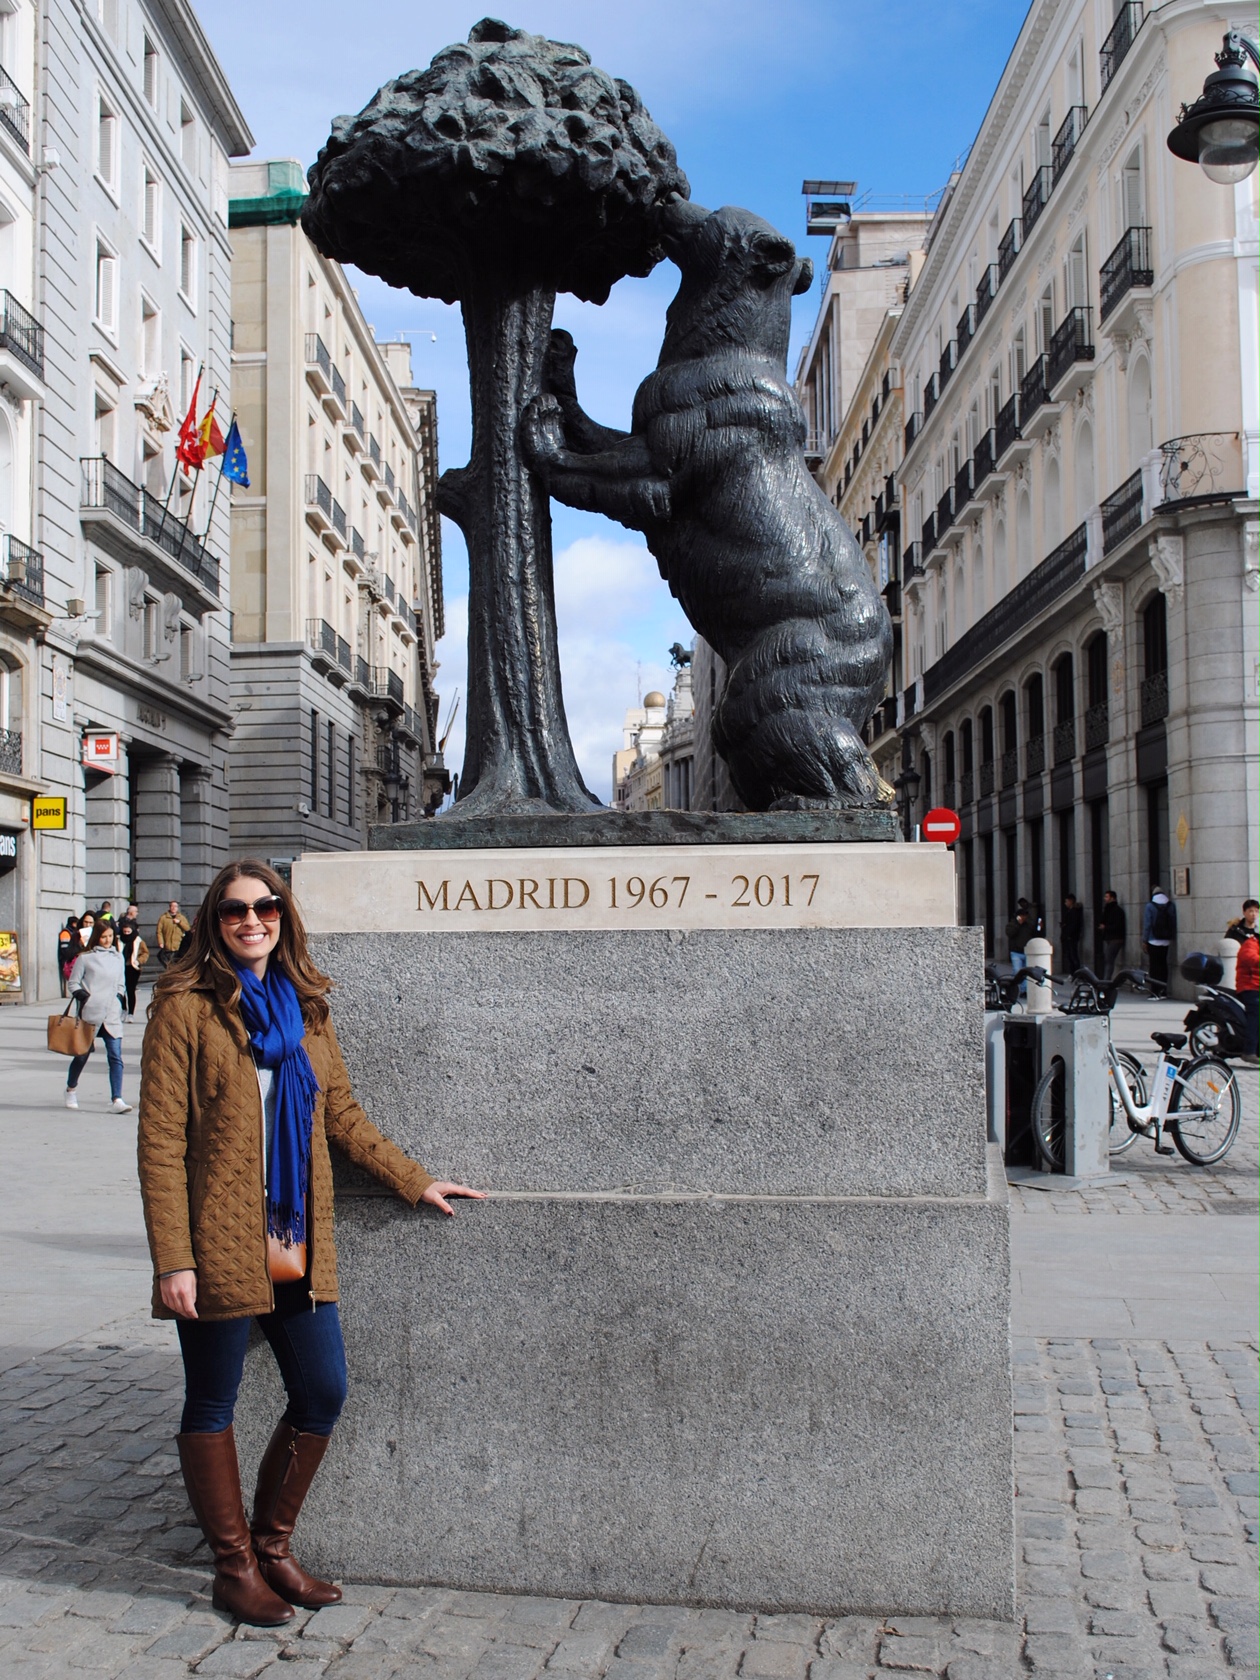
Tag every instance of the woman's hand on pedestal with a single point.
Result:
(441, 1188)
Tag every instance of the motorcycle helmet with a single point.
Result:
(1200, 969)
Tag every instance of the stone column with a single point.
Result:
(197, 850)
(107, 820)
(156, 840)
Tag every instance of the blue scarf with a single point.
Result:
(273, 1017)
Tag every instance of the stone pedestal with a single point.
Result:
(732, 1328)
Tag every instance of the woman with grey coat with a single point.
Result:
(99, 981)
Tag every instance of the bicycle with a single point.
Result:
(1004, 992)
(1194, 1100)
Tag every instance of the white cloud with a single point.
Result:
(616, 621)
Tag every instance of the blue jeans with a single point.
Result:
(308, 1350)
(113, 1055)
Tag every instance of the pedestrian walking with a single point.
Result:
(98, 981)
(1159, 929)
(1248, 924)
(243, 1086)
(1019, 930)
(68, 948)
(1113, 930)
(171, 928)
(1247, 973)
(135, 954)
(1071, 929)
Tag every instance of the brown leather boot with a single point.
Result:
(213, 1480)
(284, 1478)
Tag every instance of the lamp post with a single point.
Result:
(907, 786)
(1221, 130)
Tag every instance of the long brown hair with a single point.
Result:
(98, 929)
(204, 962)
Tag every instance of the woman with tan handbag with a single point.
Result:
(242, 1086)
(99, 982)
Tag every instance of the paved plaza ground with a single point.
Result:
(1134, 1339)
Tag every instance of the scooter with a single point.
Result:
(1218, 1023)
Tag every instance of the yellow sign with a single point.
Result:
(10, 966)
(48, 812)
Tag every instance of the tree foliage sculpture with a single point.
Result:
(510, 169)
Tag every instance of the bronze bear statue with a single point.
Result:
(713, 474)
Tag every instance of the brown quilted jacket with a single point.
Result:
(202, 1172)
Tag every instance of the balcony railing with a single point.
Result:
(984, 459)
(1007, 428)
(1097, 726)
(931, 395)
(1070, 131)
(338, 383)
(1032, 391)
(389, 588)
(986, 291)
(1154, 697)
(22, 334)
(343, 653)
(1201, 464)
(914, 425)
(950, 795)
(1073, 341)
(1008, 246)
(929, 534)
(1034, 755)
(944, 513)
(321, 636)
(946, 365)
(1031, 595)
(1008, 764)
(389, 478)
(317, 355)
(1065, 741)
(988, 777)
(912, 561)
(965, 331)
(1122, 512)
(23, 571)
(11, 752)
(15, 111)
(374, 450)
(1121, 38)
(362, 673)
(1128, 265)
(963, 486)
(104, 488)
(1037, 196)
(966, 787)
(319, 495)
(338, 518)
(356, 418)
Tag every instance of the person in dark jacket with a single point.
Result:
(1159, 930)
(1113, 928)
(1019, 930)
(1071, 928)
(1248, 924)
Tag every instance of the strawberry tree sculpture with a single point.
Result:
(511, 169)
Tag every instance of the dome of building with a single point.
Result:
(655, 698)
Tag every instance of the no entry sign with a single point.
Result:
(942, 824)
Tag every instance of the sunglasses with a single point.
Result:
(233, 911)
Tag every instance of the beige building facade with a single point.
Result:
(336, 556)
(1078, 488)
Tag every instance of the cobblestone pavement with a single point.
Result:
(1136, 1515)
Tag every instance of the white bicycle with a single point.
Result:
(1194, 1100)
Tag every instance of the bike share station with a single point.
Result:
(1019, 1050)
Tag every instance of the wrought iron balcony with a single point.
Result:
(912, 561)
(15, 111)
(965, 331)
(104, 489)
(22, 572)
(104, 486)
(950, 795)
(931, 395)
(1037, 196)
(1073, 342)
(356, 543)
(338, 518)
(319, 496)
(343, 653)
(1070, 131)
(1122, 512)
(362, 673)
(1009, 767)
(1200, 464)
(389, 478)
(338, 383)
(1122, 35)
(11, 752)
(963, 486)
(988, 777)
(947, 364)
(1065, 741)
(1097, 726)
(944, 513)
(1008, 246)
(1154, 697)
(21, 334)
(356, 419)
(1007, 428)
(986, 291)
(1128, 265)
(984, 459)
(966, 787)
(1034, 755)
(929, 534)
(321, 638)
(914, 425)
(1032, 391)
(318, 363)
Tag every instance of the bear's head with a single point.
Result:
(739, 275)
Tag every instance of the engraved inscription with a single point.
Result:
(621, 892)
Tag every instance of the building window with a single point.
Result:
(152, 628)
(150, 72)
(187, 137)
(107, 12)
(104, 426)
(1077, 275)
(151, 211)
(350, 769)
(102, 600)
(106, 290)
(187, 378)
(188, 265)
(331, 755)
(150, 339)
(106, 143)
(314, 789)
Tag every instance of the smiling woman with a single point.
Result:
(242, 1087)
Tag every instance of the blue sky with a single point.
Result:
(756, 96)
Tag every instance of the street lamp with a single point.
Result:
(1221, 130)
(907, 786)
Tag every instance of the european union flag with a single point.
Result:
(235, 467)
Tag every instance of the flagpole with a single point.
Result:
(183, 524)
(166, 505)
(218, 484)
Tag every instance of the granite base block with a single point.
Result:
(635, 828)
(783, 1404)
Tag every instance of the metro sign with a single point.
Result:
(942, 824)
(100, 750)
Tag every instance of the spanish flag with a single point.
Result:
(199, 440)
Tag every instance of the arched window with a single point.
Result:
(1141, 416)
(1064, 710)
(6, 474)
(1085, 492)
(1096, 715)
(10, 701)
(1053, 507)
(1035, 724)
(1155, 636)
(1010, 738)
(950, 789)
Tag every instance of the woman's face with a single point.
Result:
(107, 937)
(251, 941)
(85, 928)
